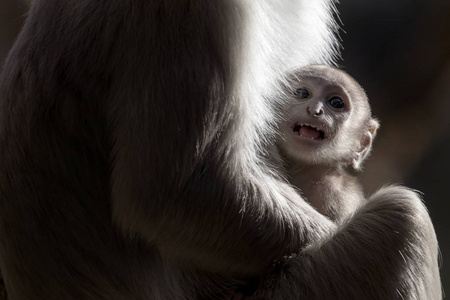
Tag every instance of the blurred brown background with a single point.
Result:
(400, 52)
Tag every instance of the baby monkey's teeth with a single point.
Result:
(309, 131)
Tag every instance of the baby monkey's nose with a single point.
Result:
(315, 111)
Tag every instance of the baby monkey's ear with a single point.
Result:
(366, 144)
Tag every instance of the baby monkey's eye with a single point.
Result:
(337, 103)
(301, 93)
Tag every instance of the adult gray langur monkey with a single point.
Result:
(131, 161)
(326, 133)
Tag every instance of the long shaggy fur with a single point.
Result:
(130, 168)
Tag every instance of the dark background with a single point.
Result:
(400, 53)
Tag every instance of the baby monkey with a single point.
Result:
(326, 133)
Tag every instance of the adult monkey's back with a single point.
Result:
(129, 163)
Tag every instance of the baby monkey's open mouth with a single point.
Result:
(309, 132)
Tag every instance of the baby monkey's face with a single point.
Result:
(316, 111)
(322, 121)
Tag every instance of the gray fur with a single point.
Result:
(329, 185)
(131, 168)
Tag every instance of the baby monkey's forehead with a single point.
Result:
(315, 82)
(329, 76)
